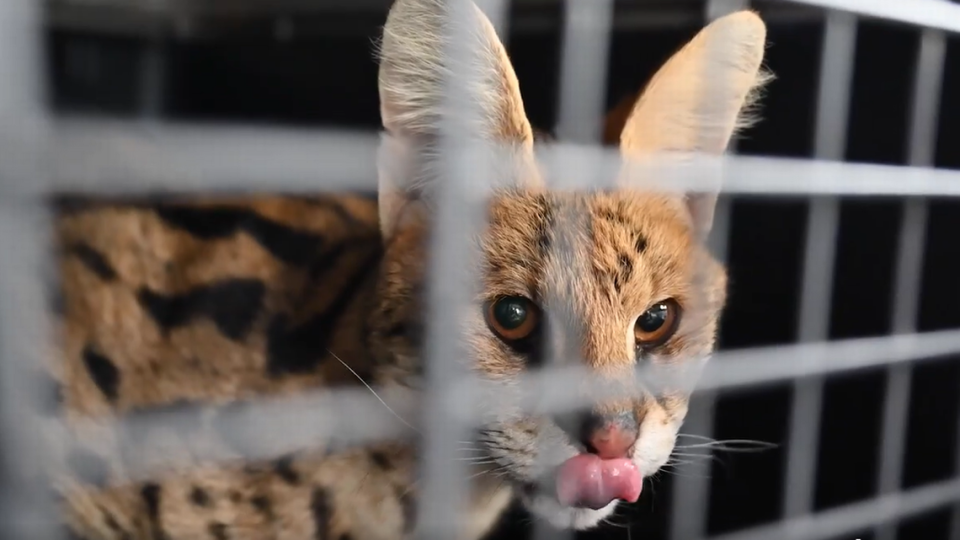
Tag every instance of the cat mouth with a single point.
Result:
(588, 481)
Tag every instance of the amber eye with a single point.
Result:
(657, 324)
(512, 318)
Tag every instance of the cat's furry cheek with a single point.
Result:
(656, 442)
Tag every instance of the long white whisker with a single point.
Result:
(691, 455)
(732, 445)
(678, 463)
(692, 436)
(372, 391)
(491, 471)
(681, 475)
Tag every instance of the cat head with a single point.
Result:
(620, 276)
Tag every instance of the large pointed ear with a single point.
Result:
(412, 81)
(700, 98)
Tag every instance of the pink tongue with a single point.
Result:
(586, 480)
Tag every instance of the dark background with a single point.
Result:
(238, 65)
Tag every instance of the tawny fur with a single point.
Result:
(345, 276)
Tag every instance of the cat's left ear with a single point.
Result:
(700, 98)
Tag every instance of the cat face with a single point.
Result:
(611, 279)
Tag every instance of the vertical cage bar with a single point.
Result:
(587, 27)
(27, 510)
(836, 72)
(464, 167)
(568, 230)
(22, 96)
(691, 484)
(925, 104)
(23, 100)
(928, 78)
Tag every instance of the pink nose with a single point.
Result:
(612, 441)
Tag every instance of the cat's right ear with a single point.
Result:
(412, 86)
(700, 98)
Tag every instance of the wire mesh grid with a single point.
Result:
(42, 153)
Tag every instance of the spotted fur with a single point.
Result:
(172, 305)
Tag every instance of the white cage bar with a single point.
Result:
(99, 157)
(928, 79)
(22, 229)
(823, 220)
(452, 281)
(691, 488)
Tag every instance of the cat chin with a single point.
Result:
(564, 517)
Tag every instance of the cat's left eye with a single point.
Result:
(657, 324)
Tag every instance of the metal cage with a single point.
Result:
(43, 153)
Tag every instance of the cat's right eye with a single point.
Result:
(512, 318)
